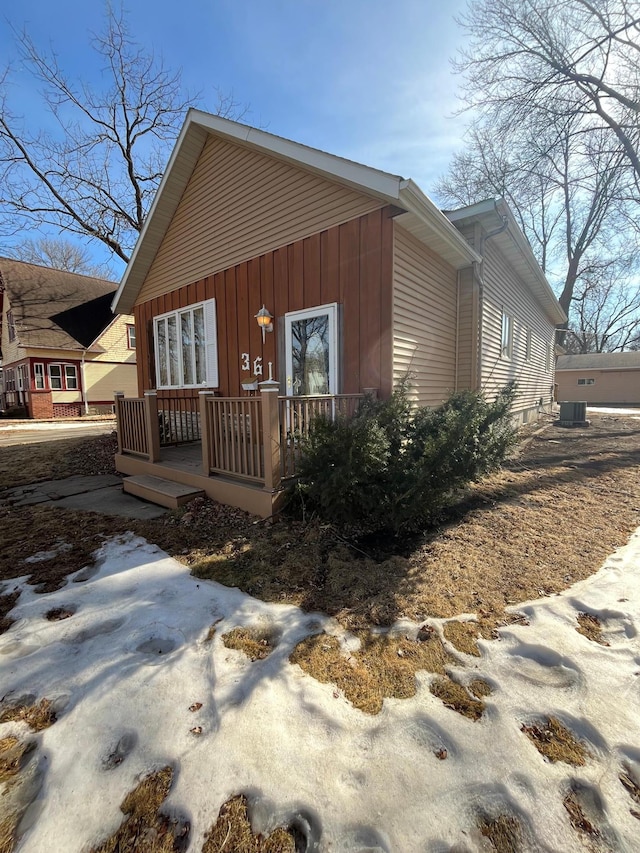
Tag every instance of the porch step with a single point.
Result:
(159, 491)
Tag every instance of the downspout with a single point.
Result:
(479, 279)
(84, 392)
(458, 275)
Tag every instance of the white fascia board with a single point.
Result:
(126, 308)
(412, 198)
(364, 178)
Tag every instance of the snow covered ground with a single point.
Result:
(124, 669)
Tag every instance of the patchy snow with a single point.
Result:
(124, 669)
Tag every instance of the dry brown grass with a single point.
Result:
(232, 832)
(57, 614)
(590, 627)
(23, 464)
(146, 829)
(8, 832)
(554, 740)
(383, 666)
(256, 644)
(463, 636)
(547, 520)
(577, 817)
(7, 603)
(456, 697)
(504, 833)
(37, 717)
(12, 754)
(630, 784)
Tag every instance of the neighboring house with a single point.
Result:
(365, 279)
(64, 353)
(599, 378)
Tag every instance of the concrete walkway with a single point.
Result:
(99, 493)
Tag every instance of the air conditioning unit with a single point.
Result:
(573, 414)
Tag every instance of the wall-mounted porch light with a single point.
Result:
(264, 319)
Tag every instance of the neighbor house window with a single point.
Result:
(527, 346)
(186, 347)
(507, 335)
(55, 377)
(38, 376)
(11, 326)
(586, 381)
(71, 377)
(131, 336)
(63, 377)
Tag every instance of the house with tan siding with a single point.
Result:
(64, 354)
(359, 279)
(599, 378)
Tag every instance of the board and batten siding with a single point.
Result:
(504, 291)
(424, 319)
(239, 204)
(348, 264)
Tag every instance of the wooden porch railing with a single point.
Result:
(256, 439)
(178, 420)
(296, 417)
(132, 423)
(235, 436)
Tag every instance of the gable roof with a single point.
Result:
(54, 308)
(493, 214)
(421, 216)
(599, 361)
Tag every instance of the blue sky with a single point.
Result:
(365, 79)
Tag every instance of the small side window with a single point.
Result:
(506, 345)
(131, 336)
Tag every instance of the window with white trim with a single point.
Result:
(22, 377)
(11, 326)
(55, 377)
(63, 377)
(506, 345)
(131, 336)
(527, 346)
(586, 381)
(38, 376)
(186, 347)
(70, 377)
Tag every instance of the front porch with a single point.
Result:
(240, 451)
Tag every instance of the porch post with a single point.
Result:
(117, 397)
(271, 433)
(153, 427)
(205, 432)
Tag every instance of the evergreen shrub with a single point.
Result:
(393, 467)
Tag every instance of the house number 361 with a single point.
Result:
(245, 364)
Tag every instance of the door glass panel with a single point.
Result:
(310, 355)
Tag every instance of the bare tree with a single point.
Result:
(605, 317)
(97, 175)
(555, 89)
(561, 58)
(61, 255)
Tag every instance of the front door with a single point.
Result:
(311, 340)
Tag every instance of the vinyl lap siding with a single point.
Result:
(424, 319)
(114, 342)
(503, 290)
(239, 204)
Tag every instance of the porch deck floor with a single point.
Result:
(184, 457)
